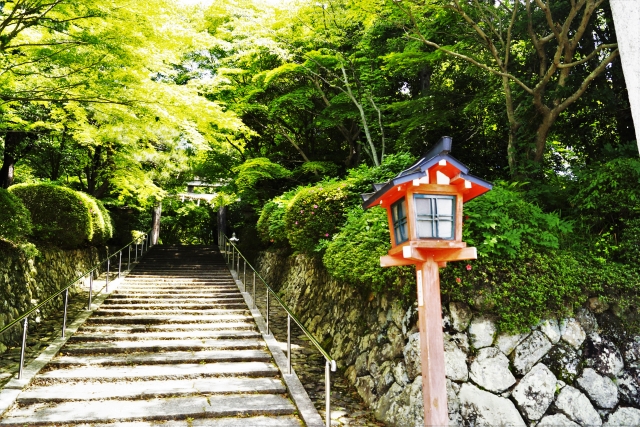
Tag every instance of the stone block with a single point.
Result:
(507, 343)
(535, 392)
(530, 351)
(490, 370)
(572, 332)
(575, 405)
(557, 420)
(603, 355)
(460, 315)
(412, 356)
(551, 328)
(366, 389)
(487, 409)
(482, 331)
(624, 417)
(455, 362)
(563, 361)
(601, 390)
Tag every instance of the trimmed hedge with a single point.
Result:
(60, 215)
(100, 220)
(316, 213)
(15, 220)
(271, 226)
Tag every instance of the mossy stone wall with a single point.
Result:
(25, 282)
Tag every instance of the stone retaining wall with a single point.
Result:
(580, 371)
(25, 282)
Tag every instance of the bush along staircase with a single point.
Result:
(175, 344)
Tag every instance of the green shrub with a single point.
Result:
(536, 285)
(353, 255)
(316, 213)
(100, 220)
(271, 226)
(607, 207)
(628, 250)
(59, 215)
(15, 220)
(501, 221)
(108, 221)
(609, 195)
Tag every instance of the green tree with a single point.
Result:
(546, 54)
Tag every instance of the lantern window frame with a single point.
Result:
(399, 216)
(434, 219)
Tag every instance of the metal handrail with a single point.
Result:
(330, 363)
(24, 317)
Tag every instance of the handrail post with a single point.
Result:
(24, 344)
(289, 343)
(136, 258)
(90, 289)
(64, 318)
(107, 279)
(244, 280)
(267, 311)
(327, 391)
(254, 289)
(120, 264)
(129, 261)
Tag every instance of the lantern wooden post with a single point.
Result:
(434, 385)
(445, 182)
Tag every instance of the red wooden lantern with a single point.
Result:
(424, 206)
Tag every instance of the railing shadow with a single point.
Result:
(281, 322)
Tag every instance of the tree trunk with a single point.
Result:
(12, 142)
(542, 133)
(6, 172)
(514, 125)
(222, 223)
(155, 223)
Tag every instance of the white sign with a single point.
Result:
(420, 299)
(626, 17)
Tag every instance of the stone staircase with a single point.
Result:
(174, 345)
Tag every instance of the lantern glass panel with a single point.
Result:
(399, 216)
(435, 216)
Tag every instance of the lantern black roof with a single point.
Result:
(418, 170)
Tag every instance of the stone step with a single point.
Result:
(235, 304)
(124, 328)
(185, 370)
(178, 291)
(169, 277)
(110, 302)
(259, 421)
(147, 410)
(132, 312)
(116, 297)
(149, 389)
(161, 345)
(206, 356)
(138, 336)
(157, 318)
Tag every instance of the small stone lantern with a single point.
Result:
(424, 207)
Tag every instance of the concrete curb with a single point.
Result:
(9, 393)
(306, 409)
